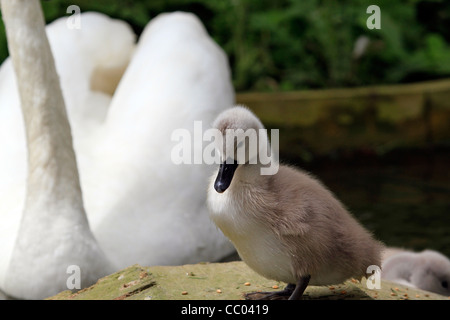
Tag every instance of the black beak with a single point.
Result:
(224, 177)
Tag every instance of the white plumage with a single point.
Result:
(427, 270)
(141, 207)
(177, 75)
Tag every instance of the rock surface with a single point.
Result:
(223, 281)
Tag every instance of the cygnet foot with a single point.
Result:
(272, 295)
(290, 292)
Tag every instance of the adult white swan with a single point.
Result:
(141, 207)
(177, 75)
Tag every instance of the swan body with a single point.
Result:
(177, 75)
(286, 226)
(139, 207)
(427, 270)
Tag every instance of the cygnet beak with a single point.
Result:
(225, 175)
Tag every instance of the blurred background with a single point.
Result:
(367, 111)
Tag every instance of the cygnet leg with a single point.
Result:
(300, 288)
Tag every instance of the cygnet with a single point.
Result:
(427, 270)
(285, 224)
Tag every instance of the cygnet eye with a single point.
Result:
(444, 284)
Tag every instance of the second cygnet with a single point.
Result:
(427, 270)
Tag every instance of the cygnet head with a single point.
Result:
(432, 272)
(242, 140)
(428, 270)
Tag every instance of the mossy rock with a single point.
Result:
(223, 281)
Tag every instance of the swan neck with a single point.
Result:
(51, 158)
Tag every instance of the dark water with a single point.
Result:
(403, 197)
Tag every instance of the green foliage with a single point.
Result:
(278, 45)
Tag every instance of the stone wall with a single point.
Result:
(369, 119)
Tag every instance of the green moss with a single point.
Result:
(222, 281)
